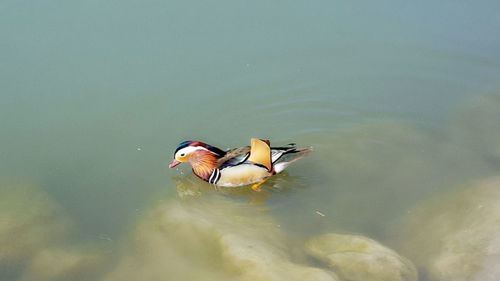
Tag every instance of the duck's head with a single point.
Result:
(189, 151)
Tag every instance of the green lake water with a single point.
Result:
(398, 99)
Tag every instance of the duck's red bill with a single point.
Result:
(174, 163)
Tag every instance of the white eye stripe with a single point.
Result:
(189, 149)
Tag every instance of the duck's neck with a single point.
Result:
(203, 164)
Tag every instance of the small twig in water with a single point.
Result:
(320, 213)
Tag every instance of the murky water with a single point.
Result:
(400, 101)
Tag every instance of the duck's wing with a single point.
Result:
(278, 152)
(282, 157)
(234, 157)
(260, 153)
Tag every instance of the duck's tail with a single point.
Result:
(282, 157)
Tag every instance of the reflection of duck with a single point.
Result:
(237, 167)
(189, 187)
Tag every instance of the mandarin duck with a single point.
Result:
(239, 166)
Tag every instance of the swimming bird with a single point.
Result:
(246, 165)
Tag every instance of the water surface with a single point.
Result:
(95, 96)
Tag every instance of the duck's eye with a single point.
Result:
(183, 154)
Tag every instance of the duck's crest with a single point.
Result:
(217, 151)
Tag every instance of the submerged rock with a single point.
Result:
(455, 237)
(34, 231)
(30, 221)
(258, 261)
(64, 264)
(476, 126)
(210, 239)
(357, 258)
